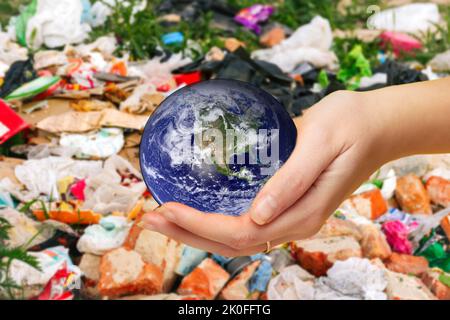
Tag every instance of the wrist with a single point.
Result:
(409, 119)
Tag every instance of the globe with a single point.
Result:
(214, 144)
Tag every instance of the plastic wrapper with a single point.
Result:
(10, 123)
(50, 261)
(251, 17)
(60, 285)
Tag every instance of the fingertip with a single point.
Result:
(256, 219)
(264, 209)
(176, 207)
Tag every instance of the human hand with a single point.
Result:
(338, 147)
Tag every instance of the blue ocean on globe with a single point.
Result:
(214, 144)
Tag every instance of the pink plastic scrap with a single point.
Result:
(397, 236)
(400, 42)
(77, 189)
(251, 17)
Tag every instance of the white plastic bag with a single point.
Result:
(309, 43)
(56, 24)
(101, 144)
(411, 18)
(104, 193)
(41, 176)
(109, 234)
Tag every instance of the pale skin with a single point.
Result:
(341, 141)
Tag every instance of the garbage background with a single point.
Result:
(78, 81)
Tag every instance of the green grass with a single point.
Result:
(9, 8)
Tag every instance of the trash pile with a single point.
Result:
(72, 113)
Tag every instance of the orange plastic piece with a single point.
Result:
(120, 68)
(74, 216)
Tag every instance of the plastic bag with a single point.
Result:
(40, 176)
(104, 192)
(309, 43)
(109, 234)
(56, 24)
(101, 144)
(410, 18)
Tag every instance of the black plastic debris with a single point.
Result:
(238, 65)
(398, 73)
(18, 74)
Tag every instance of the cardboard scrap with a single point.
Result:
(7, 166)
(73, 121)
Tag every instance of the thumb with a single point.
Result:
(310, 158)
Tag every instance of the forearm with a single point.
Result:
(411, 119)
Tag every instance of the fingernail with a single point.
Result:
(166, 213)
(264, 210)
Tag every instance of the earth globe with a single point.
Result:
(214, 144)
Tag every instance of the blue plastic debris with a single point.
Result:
(190, 258)
(172, 38)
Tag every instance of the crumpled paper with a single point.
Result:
(293, 283)
(354, 278)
